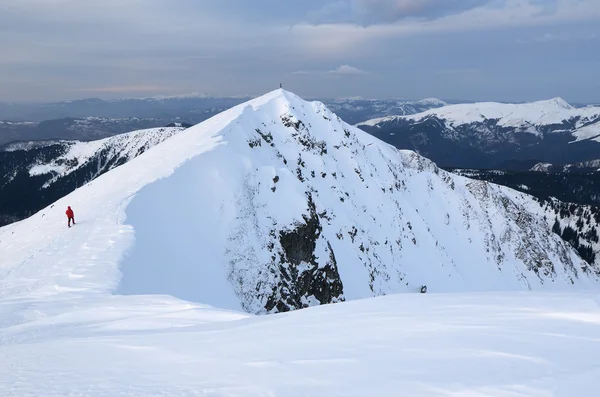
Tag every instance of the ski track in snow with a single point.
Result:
(64, 332)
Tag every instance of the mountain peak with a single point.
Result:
(277, 204)
(559, 102)
(432, 101)
(278, 95)
(556, 103)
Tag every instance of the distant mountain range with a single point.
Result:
(490, 135)
(189, 108)
(355, 110)
(186, 109)
(92, 119)
(82, 129)
(467, 135)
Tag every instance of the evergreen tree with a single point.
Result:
(570, 236)
(556, 227)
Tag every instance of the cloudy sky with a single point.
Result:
(505, 50)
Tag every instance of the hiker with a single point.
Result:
(70, 216)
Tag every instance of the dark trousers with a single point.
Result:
(69, 222)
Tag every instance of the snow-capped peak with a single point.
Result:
(541, 167)
(277, 204)
(546, 112)
(557, 102)
(432, 101)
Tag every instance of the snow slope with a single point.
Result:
(275, 205)
(121, 147)
(492, 345)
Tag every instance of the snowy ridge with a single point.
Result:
(120, 148)
(35, 174)
(425, 101)
(594, 164)
(555, 111)
(26, 123)
(552, 111)
(584, 166)
(28, 145)
(277, 204)
(541, 167)
(432, 101)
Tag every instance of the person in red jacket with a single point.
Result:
(70, 216)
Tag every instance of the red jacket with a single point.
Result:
(70, 213)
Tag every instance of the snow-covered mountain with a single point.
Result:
(542, 167)
(35, 174)
(483, 135)
(354, 110)
(277, 204)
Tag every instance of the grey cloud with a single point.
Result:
(557, 37)
(347, 69)
(341, 70)
(371, 12)
(61, 49)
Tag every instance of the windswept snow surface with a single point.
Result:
(432, 345)
(207, 215)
